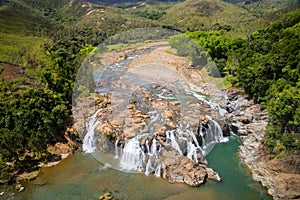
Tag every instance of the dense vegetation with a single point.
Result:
(38, 69)
(266, 65)
(269, 70)
(43, 44)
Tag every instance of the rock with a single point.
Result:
(20, 188)
(107, 196)
(204, 119)
(177, 168)
(2, 193)
(235, 127)
(213, 175)
(280, 176)
(63, 148)
(56, 158)
(247, 120)
(242, 132)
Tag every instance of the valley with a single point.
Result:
(171, 81)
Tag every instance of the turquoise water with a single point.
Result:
(81, 176)
(237, 182)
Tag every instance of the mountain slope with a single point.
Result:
(22, 30)
(209, 14)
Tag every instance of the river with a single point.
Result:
(81, 176)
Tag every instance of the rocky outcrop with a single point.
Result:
(152, 117)
(177, 168)
(148, 135)
(280, 176)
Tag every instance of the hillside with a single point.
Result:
(22, 31)
(240, 19)
(42, 44)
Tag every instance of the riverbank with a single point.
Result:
(281, 176)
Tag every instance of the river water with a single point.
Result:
(81, 176)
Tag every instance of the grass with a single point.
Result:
(21, 33)
(13, 46)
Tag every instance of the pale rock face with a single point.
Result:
(280, 176)
(177, 168)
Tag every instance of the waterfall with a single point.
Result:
(157, 172)
(213, 134)
(213, 105)
(116, 147)
(153, 148)
(88, 144)
(132, 157)
(193, 136)
(219, 133)
(148, 166)
(147, 146)
(192, 152)
(170, 135)
(146, 157)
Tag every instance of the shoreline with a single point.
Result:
(280, 176)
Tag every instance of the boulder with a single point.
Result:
(177, 168)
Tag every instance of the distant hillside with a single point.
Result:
(26, 24)
(209, 14)
(113, 2)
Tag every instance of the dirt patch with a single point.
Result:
(10, 72)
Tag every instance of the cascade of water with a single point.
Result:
(219, 132)
(170, 135)
(116, 147)
(147, 146)
(157, 172)
(179, 130)
(202, 136)
(88, 144)
(132, 157)
(210, 138)
(148, 166)
(213, 105)
(192, 151)
(191, 132)
(153, 147)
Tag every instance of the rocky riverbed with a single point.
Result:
(142, 125)
(154, 115)
(281, 176)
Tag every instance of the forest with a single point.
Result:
(267, 66)
(51, 41)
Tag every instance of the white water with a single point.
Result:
(132, 157)
(88, 144)
(219, 133)
(170, 136)
(213, 105)
(146, 158)
(192, 152)
(116, 147)
(157, 172)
